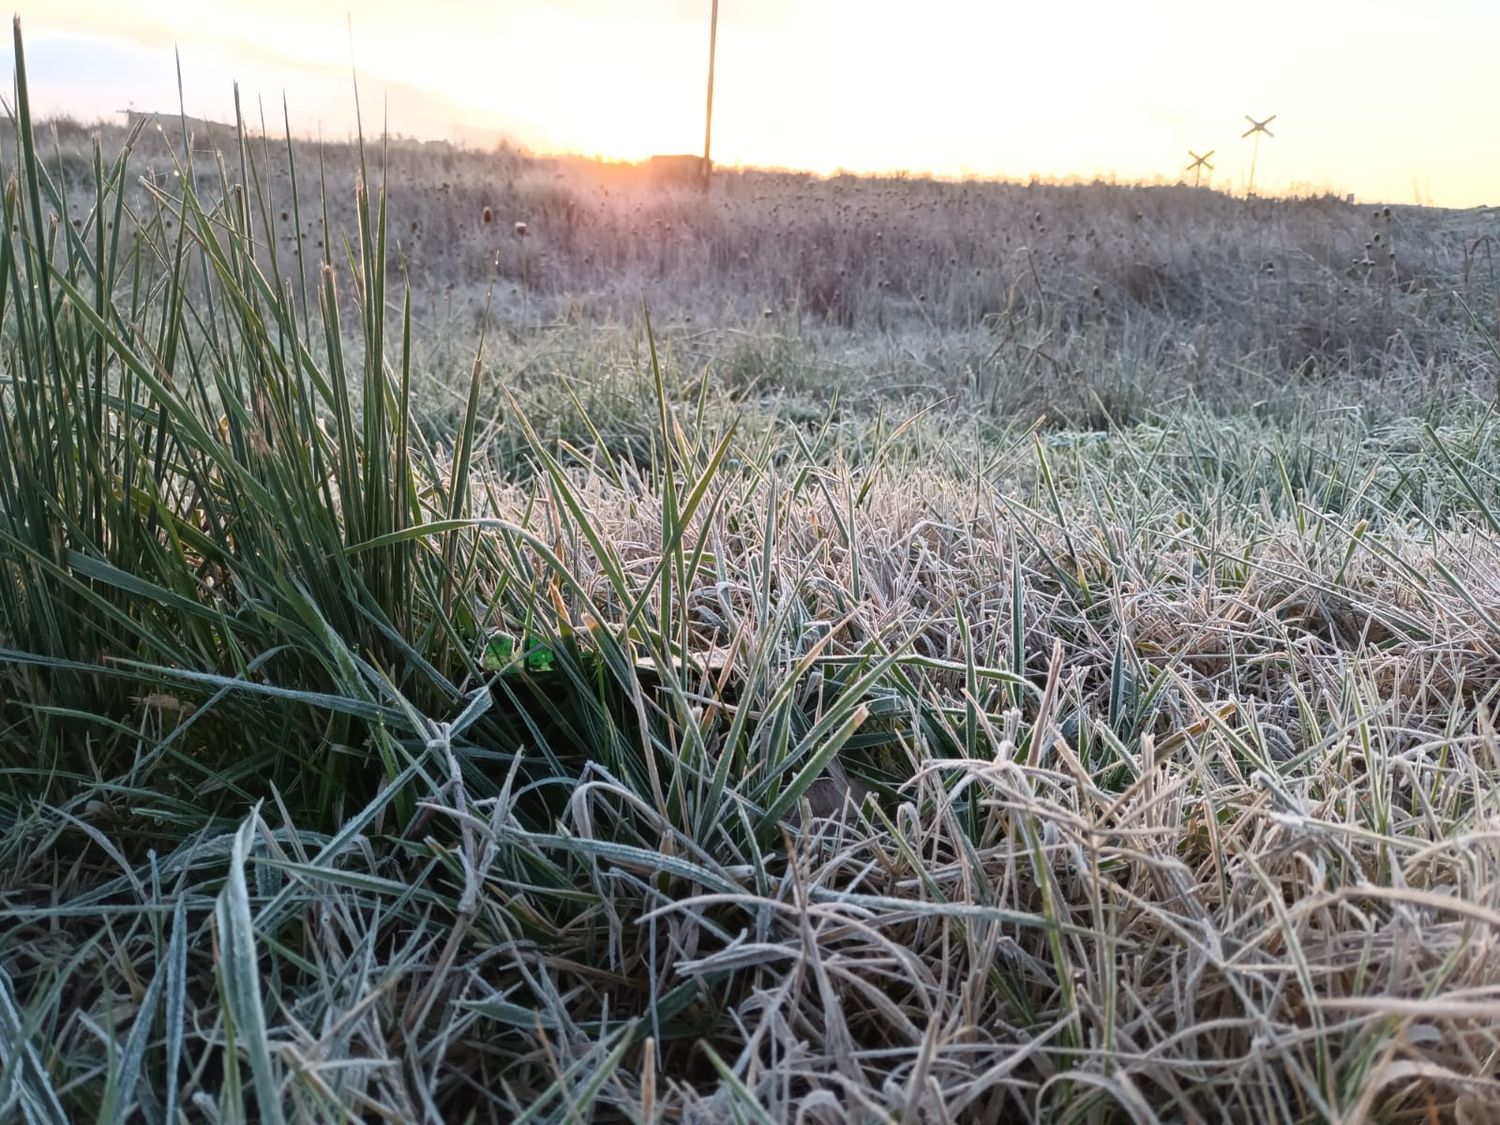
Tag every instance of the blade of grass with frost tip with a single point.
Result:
(376, 444)
(672, 524)
(479, 704)
(355, 881)
(744, 1098)
(1116, 704)
(438, 528)
(193, 431)
(120, 1085)
(39, 296)
(1017, 620)
(1461, 471)
(463, 450)
(231, 1104)
(971, 685)
(1303, 973)
(813, 768)
(86, 598)
(519, 1016)
(600, 449)
(408, 502)
(176, 1001)
(604, 552)
(411, 656)
(901, 660)
(23, 1079)
(600, 1071)
(676, 529)
(1485, 334)
(334, 652)
(102, 572)
(340, 404)
(1054, 909)
(274, 913)
(627, 855)
(291, 165)
(758, 665)
(1463, 589)
(337, 704)
(242, 977)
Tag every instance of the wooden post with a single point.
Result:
(708, 117)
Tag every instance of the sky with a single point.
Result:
(1392, 101)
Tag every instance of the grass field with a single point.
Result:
(823, 650)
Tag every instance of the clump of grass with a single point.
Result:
(188, 455)
(873, 767)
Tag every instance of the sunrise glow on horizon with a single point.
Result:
(1367, 100)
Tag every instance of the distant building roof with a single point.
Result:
(203, 131)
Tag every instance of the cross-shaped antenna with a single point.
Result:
(1255, 130)
(1199, 163)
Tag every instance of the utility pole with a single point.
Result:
(708, 117)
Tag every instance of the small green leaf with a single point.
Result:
(499, 651)
(539, 658)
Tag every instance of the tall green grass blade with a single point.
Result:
(239, 971)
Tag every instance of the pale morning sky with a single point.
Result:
(1395, 101)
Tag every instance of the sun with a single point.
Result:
(563, 87)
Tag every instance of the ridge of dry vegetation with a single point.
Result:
(991, 287)
(902, 727)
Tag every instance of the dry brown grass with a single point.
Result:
(1051, 276)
